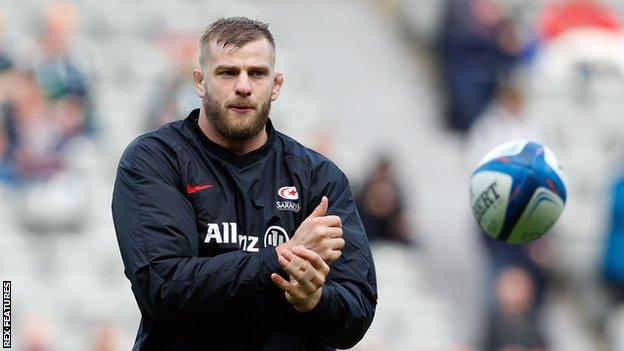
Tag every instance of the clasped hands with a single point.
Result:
(306, 258)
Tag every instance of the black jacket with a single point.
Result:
(196, 225)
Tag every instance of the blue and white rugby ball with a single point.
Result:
(517, 192)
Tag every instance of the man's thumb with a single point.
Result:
(320, 210)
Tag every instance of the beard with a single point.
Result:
(236, 126)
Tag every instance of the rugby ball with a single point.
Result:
(517, 191)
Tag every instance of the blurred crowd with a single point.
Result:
(550, 71)
(45, 103)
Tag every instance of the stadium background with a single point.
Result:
(404, 95)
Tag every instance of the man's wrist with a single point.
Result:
(310, 304)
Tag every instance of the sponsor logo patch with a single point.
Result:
(274, 236)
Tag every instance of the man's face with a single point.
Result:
(237, 85)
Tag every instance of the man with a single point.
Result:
(234, 236)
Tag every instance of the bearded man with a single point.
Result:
(233, 235)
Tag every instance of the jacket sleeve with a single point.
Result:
(349, 297)
(158, 239)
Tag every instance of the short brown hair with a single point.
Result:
(236, 31)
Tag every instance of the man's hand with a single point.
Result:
(307, 275)
(319, 233)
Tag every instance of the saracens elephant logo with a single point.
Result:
(274, 236)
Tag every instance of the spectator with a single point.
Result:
(504, 119)
(35, 130)
(175, 93)
(380, 205)
(29, 131)
(512, 325)
(60, 71)
(478, 43)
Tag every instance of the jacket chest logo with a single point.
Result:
(288, 193)
(227, 233)
(290, 197)
(190, 189)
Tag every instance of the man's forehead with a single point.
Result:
(258, 52)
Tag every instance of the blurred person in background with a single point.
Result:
(37, 129)
(174, 93)
(533, 257)
(512, 324)
(380, 205)
(478, 43)
(31, 137)
(60, 69)
(505, 118)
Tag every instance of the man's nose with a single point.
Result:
(243, 85)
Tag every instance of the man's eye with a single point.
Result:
(227, 73)
(257, 74)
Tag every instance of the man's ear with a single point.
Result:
(198, 77)
(278, 81)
